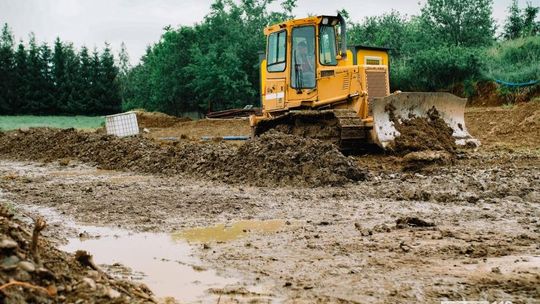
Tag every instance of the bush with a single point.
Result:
(438, 69)
(515, 60)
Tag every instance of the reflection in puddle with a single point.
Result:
(222, 233)
(164, 263)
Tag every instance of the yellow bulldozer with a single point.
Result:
(314, 85)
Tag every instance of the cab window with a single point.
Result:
(327, 45)
(303, 58)
(276, 54)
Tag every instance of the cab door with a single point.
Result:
(274, 87)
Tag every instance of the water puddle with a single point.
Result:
(162, 261)
(223, 233)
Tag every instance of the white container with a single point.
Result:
(123, 124)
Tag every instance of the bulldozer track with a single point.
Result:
(341, 127)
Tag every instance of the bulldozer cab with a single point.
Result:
(306, 64)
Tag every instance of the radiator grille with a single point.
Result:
(376, 84)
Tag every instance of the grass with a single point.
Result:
(62, 122)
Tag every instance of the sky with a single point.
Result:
(139, 23)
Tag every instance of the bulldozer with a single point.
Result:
(314, 85)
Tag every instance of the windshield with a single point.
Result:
(327, 45)
(304, 62)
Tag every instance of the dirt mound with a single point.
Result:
(204, 127)
(293, 160)
(51, 275)
(422, 133)
(273, 159)
(515, 126)
(157, 120)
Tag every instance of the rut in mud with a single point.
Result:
(272, 159)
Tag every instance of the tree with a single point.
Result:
(110, 101)
(82, 85)
(21, 79)
(60, 77)
(514, 24)
(531, 27)
(7, 72)
(467, 23)
(388, 30)
(123, 60)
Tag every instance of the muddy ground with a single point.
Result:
(465, 230)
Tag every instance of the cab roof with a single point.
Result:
(314, 20)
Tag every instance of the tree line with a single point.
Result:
(214, 64)
(448, 43)
(40, 80)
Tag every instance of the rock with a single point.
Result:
(45, 273)
(90, 283)
(112, 293)
(405, 222)
(93, 274)
(10, 262)
(27, 266)
(8, 244)
(22, 276)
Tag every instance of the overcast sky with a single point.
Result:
(139, 23)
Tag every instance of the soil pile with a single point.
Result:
(157, 120)
(51, 275)
(422, 133)
(204, 127)
(291, 160)
(273, 159)
(517, 125)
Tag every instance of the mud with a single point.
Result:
(195, 130)
(511, 127)
(53, 276)
(157, 120)
(422, 134)
(461, 230)
(459, 224)
(272, 159)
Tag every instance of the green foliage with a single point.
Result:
(213, 65)
(514, 61)
(466, 23)
(63, 122)
(389, 30)
(36, 79)
(438, 68)
(521, 23)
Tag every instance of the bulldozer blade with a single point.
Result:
(401, 106)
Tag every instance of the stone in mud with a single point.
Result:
(7, 244)
(112, 293)
(405, 222)
(27, 266)
(10, 262)
(88, 282)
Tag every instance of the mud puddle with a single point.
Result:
(223, 233)
(164, 262)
